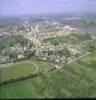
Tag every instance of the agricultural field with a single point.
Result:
(77, 79)
(23, 69)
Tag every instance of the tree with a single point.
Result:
(13, 56)
(92, 48)
(66, 53)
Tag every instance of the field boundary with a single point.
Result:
(18, 79)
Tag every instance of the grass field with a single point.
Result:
(23, 68)
(77, 79)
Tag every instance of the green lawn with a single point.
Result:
(77, 79)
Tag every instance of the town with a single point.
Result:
(45, 40)
(47, 49)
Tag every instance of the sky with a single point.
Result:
(20, 7)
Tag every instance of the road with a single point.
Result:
(79, 57)
(56, 66)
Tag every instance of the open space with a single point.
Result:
(77, 79)
(23, 69)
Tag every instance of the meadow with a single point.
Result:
(77, 79)
(23, 69)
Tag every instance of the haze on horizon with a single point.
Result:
(22, 7)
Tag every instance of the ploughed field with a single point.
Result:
(77, 79)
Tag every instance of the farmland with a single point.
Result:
(23, 69)
(76, 79)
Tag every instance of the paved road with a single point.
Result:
(58, 67)
(79, 57)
